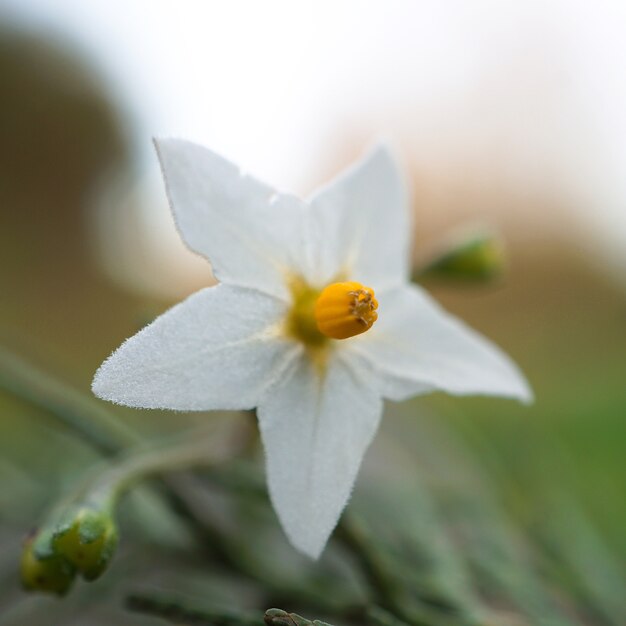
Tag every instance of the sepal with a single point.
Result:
(48, 573)
(88, 542)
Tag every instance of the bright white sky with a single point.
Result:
(534, 89)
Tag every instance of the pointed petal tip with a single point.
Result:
(312, 553)
(98, 384)
(517, 387)
(526, 395)
(103, 386)
(512, 384)
(112, 382)
(440, 352)
(157, 142)
(306, 543)
(164, 139)
(303, 532)
(385, 146)
(169, 147)
(382, 148)
(96, 389)
(163, 144)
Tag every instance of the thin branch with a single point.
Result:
(353, 537)
(104, 432)
(383, 584)
(86, 417)
(178, 612)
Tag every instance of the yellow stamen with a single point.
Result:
(344, 310)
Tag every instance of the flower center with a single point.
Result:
(338, 311)
(344, 310)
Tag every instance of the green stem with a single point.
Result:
(378, 616)
(98, 495)
(94, 424)
(177, 612)
(86, 417)
(194, 450)
(384, 587)
(353, 537)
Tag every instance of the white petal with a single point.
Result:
(416, 347)
(218, 349)
(360, 224)
(252, 235)
(315, 432)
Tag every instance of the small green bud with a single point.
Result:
(51, 573)
(475, 257)
(277, 617)
(87, 541)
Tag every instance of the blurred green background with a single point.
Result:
(528, 501)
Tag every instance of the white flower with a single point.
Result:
(265, 336)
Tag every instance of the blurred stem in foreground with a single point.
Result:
(389, 605)
(178, 612)
(101, 429)
(80, 534)
(85, 416)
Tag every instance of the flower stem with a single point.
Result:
(178, 612)
(352, 536)
(103, 431)
(394, 608)
(195, 449)
(86, 417)
(378, 616)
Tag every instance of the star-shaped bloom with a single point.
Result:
(313, 323)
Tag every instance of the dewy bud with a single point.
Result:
(476, 256)
(88, 541)
(51, 573)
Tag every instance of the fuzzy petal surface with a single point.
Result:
(416, 346)
(360, 224)
(253, 236)
(218, 349)
(315, 431)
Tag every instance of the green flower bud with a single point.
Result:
(51, 573)
(87, 541)
(476, 257)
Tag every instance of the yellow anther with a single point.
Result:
(343, 310)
